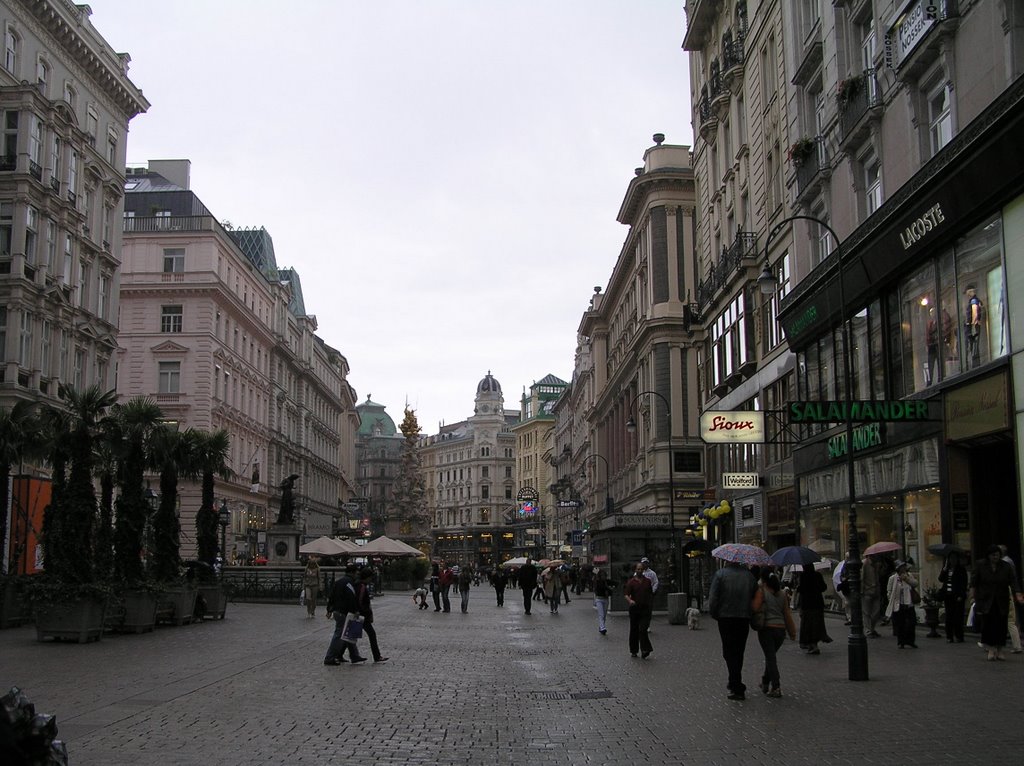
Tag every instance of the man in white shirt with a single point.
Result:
(649, 573)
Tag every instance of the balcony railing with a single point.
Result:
(8, 163)
(812, 166)
(732, 54)
(861, 95)
(35, 170)
(169, 223)
(730, 262)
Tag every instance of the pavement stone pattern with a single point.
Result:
(496, 686)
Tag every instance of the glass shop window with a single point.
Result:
(982, 319)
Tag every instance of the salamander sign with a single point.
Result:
(858, 412)
(743, 426)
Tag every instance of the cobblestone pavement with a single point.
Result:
(496, 686)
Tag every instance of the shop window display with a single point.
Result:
(982, 309)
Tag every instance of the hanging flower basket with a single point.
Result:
(849, 88)
(801, 151)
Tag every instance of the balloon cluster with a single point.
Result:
(709, 513)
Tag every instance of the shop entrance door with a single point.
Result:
(996, 517)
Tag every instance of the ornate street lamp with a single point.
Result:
(857, 642)
(631, 427)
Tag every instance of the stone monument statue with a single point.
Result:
(287, 513)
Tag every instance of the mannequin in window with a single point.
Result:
(972, 326)
(937, 351)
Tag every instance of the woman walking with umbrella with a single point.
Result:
(732, 589)
(810, 586)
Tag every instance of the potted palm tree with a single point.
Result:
(211, 453)
(173, 455)
(70, 599)
(131, 428)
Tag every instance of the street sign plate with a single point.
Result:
(569, 503)
(350, 507)
(740, 481)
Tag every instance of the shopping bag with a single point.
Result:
(352, 630)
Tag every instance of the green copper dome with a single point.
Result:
(374, 421)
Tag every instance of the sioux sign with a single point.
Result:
(742, 426)
(858, 412)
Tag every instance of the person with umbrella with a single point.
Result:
(732, 589)
(954, 595)
(777, 620)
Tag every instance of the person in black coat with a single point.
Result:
(341, 601)
(500, 581)
(363, 597)
(527, 583)
(812, 611)
(954, 594)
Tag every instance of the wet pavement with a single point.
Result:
(498, 686)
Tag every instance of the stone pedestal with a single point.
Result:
(282, 545)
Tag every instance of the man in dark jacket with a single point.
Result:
(732, 589)
(363, 597)
(340, 602)
(499, 580)
(527, 583)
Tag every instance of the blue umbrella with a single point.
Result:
(794, 554)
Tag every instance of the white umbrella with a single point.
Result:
(385, 546)
(324, 546)
(837, 575)
(518, 561)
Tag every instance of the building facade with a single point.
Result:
(923, 187)
(66, 102)
(642, 336)
(217, 335)
(746, 170)
(378, 460)
(469, 472)
(535, 463)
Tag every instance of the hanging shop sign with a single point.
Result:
(858, 412)
(741, 480)
(911, 27)
(739, 427)
(978, 408)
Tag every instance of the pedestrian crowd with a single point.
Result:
(741, 599)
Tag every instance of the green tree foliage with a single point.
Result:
(212, 450)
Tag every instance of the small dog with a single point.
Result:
(693, 618)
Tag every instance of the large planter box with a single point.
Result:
(177, 606)
(216, 599)
(139, 611)
(80, 620)
(15, 608)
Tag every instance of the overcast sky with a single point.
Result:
(444, 174)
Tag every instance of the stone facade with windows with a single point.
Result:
(59, 258)
(218, 335)
(928, 210)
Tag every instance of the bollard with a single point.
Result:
(677, 608)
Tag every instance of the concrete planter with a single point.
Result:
(139, 612)
(15, 609)
(177, 606)
(80, 620)
(216, 599)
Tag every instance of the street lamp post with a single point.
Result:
(631, 427)
(857, 643)
(223, 518)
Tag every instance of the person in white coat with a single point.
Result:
(901, 590)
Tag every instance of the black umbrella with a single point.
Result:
(944, 549)
(795, 554)
(698, 544)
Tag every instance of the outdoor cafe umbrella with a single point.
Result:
(881, 547)
(740, 553)
(794, 554)
(324, 546)
(385, 547)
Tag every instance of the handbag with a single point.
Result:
(352, 629)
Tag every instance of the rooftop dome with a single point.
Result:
(489, 385)
(373, 420)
